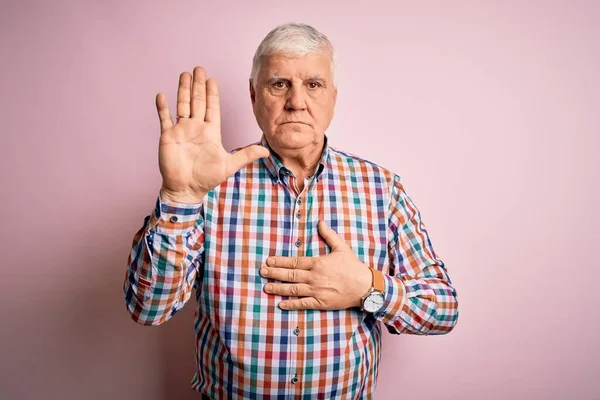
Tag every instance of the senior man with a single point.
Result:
(299, 252)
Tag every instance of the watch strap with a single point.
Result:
(378, 282)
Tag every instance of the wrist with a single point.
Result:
(365, 284)
(181, 197)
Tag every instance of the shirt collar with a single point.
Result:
(276, 167)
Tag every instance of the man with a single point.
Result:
(298, 252)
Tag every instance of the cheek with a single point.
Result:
(268, 107)
(323, 111)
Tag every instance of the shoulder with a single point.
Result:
(357, 165)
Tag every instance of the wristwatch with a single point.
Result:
(373, 301)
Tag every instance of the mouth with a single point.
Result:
(294, 122)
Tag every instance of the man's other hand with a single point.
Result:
(333, 282)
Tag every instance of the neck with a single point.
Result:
(302, 162)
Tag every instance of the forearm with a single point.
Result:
(163, 263)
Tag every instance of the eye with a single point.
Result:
(313, 85)
(279, 85)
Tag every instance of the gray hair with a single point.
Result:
(294, 39)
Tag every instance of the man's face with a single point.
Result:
(293, 100)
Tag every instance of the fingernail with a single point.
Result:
(268, 287)
(270, 261)
(283, 304)
(263, 271)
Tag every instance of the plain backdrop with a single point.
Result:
(489, 110)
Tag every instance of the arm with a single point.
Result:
(168, 251)
(165, 259)
(419, 297)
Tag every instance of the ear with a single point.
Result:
(252, 92)
(334, 96)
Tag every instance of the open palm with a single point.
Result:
(192, 159)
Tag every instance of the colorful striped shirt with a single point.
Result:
(246, 346)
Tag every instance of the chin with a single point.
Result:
(293, 136)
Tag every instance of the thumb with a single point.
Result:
(331, 237)
(246, 156)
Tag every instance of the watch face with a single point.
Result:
(373, 302)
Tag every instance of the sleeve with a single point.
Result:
(166, 256)
(419, 296)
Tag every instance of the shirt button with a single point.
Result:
(297, 331)
(173, 219)
(295, 380)
(299, 214)
(298, 201)
(298, 243)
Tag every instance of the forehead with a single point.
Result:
(292, 66)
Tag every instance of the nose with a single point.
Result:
(296, 100)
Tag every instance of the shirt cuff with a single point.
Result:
(394, 299)
(174, 218)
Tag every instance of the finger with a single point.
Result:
(285, 275)
(305, 263)
(213, 110)
(331, 237)
(198, 106)
(183, 94)
(291, 289)
(305, 303)
(245, 156)
(164, 115)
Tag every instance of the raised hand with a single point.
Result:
(191, 156)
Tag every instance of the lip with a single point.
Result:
(294, 122)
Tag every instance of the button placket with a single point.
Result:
(298, 217)
(294, 216)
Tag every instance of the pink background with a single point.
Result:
(490, 111)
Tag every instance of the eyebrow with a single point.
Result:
(316, 78)
(276, 78)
